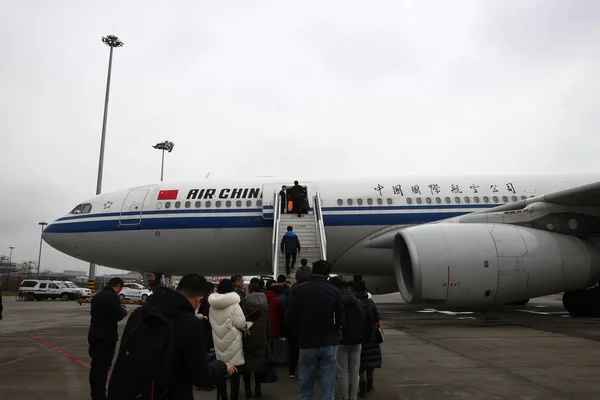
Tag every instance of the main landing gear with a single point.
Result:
(583, 303)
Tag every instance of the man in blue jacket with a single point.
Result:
(315, 313)
(106, 312)
(290, 245)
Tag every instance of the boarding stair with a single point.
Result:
(311, 233)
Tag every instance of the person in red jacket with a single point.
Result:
(275, 309)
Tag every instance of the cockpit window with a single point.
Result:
(82, 209)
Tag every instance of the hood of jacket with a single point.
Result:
(220, 301)
(290, 234)
(167, 302)
(257, 299)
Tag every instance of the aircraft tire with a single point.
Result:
(582, 303)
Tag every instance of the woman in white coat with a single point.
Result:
(228, 322)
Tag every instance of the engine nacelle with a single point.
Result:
(479, 264)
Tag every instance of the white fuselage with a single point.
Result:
(221, 228)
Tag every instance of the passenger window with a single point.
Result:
(43, 285)
(438, 200)
(53, 286)
(457, 200)
(188, 204)
(258, 203)
(28, 284)
(370, 202)
(523, 197)
(505, 199)
(158, 205)
(467, 199)
(177, 204)
(238, 203)
(514, 198)
(486, 199)
(408, 200)
(248, 203)
(198, 204)
(389, 201)
(447, 199)
(428, 200)
(168, 204)
(349, 201)
(207, 204)
(495, 199)
(379, 201)
(476, 199)
(228, 203)
(218, 203)
(419, 200)
(86, 209)
(359, 202)
(340, 202)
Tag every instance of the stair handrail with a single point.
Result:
(322, 239)
(275, 239)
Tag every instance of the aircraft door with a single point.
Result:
(270, 190)
(131, 212)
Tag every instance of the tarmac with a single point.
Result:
(520, 352)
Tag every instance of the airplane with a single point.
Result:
(454, 241)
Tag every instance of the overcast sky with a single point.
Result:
(349, 87)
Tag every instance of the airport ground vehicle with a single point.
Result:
(83, 292)
(134, 291)
(36, 289)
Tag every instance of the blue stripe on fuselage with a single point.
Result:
(257, 221)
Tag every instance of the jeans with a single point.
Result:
(348, 364)
(287, 261)
(323, 358)
(101, 352)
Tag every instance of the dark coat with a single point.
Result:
(296, 192)
(370, 355)
(189, 364)
(314, 311)
(106, 312)
(290, 243)
(1, 306)
(256, 310)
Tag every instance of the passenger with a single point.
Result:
(290, 246)
(238, 283)
(303, 272)
(352, 335)
(315, 312)
(283, 199)
(370, 356)
(293, 348)
(228, 322)
(188, 366)
(106, 312)
(296, 194)
(275, 309)
(207, 340)
(285, 287)
(256, 310)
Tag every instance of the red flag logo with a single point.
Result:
(168, 195)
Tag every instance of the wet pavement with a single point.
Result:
(522, 352)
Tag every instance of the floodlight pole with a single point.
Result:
(112, 42)
(162, 165)
(168, 146)
(10, 256)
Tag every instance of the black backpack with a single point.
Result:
(143, 367)
(353, 327)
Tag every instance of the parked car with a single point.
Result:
(134, 291)
(36, 289)
(84, 293)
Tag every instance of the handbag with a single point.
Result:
(379, 335)
(270, 375)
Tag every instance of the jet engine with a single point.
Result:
(486, 264)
